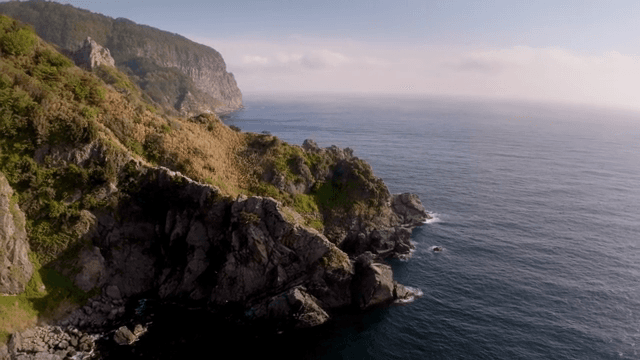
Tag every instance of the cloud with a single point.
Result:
(313, 59)
(255, 59)
(544, 74)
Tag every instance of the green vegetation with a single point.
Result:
(165, 86)
(17, 41)
(47, 295)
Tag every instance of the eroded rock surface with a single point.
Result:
(91, 55)
(15, 267)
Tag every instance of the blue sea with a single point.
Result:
(537, 207)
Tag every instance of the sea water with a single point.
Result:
(536, 208)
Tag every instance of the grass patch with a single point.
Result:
(305, 204)
(46, 293)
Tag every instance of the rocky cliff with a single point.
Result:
(155, 59)
(91, 55)
(118, 201)
(15, 266)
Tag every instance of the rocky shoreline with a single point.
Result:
(249, 257)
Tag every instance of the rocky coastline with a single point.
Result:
(105, 204)
(183, 241)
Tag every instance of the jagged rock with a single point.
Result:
(139, 330)
(15, 267)
(373, 282)
(15, 343)
(311, 146)
(92, 271)
(91, 55)
(295, 307)
(124, 336)
(409, 208)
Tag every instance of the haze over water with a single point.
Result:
(537, 208)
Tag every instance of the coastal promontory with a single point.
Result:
(106, 197)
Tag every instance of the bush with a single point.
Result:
(5, 23)
(18, 42)
(5, 81)
(49, 65)
(89, 112)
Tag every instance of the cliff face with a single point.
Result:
(200, 70)
(15, 267)
(182, 240)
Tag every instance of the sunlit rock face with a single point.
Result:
(15, 267)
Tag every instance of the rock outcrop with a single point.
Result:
(15, 267)
(183, 240)
(91, 55)
(359, 212)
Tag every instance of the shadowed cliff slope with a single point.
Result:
(174, 71)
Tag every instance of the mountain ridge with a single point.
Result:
(199, 69)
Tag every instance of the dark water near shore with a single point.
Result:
(537, 208)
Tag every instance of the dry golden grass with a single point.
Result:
(212, 156)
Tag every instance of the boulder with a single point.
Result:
(113, 292)
(373, 282)
(124, 336)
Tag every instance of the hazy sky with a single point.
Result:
(578, 51)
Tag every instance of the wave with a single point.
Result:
(435, 218)
(416, 294)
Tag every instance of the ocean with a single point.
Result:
(537, 208)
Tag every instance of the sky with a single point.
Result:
(584, 52)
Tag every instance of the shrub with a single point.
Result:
(49, 65)
(5, 81)
(18, 42)
(5, 23)
(90, 112)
